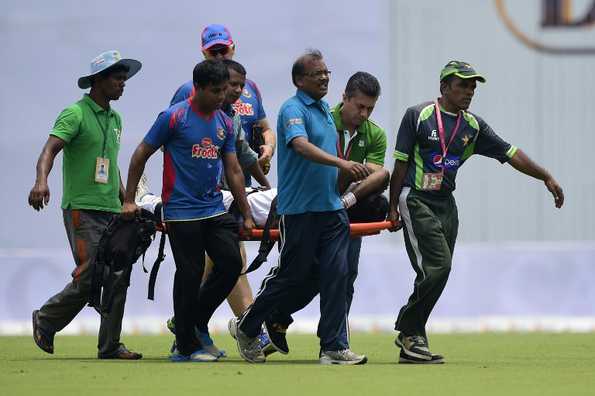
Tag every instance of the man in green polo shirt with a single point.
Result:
(89, 134)
(434, 140)
(360, 140)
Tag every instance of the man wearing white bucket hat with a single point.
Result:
(89, 134)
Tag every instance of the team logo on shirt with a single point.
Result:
(243, 109)
(221, 133)
(118, 133)
(246, 93)
(205, 149)
(294, 121)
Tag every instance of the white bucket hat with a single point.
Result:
(106, 60)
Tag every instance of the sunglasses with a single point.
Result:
(219, 50)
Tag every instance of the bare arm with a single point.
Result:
(135, 171)
(396, 185)
(39, 196)
(312, 153)
(235, 179)
(521, 162)
(256, 172)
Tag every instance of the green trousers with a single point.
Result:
(430, 229)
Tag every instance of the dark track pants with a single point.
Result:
(84, 229)
(431, 226)
(194, 305)
(312, 245)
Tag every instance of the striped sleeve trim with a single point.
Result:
(401, 156)
(511, 151)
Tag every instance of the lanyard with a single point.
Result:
(348, 149)
(103, 131)
(441, 133)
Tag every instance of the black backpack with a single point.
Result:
(120, 246)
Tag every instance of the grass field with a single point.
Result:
(477, 364)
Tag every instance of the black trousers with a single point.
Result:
(194, 305)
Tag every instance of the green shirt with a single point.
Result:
(368, 145)
(82, 127)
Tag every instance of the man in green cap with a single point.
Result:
(434, 140)
(88, 132)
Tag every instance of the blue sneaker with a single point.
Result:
(209, 346)
(199, 355)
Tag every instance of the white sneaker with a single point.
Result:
(345, 356)
(142, 188)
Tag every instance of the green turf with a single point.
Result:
(477, 364)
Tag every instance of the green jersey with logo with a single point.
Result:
(89, 133)
(367, 145)
(418, 144)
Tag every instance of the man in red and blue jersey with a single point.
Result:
(199, 143)
(217, 43)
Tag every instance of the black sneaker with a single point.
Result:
(414, 346)
(406, 359)
(277, 336)
(43, 339)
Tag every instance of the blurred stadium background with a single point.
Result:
(519, 265)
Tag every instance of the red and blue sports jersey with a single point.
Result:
(248, 106)
(194, 144)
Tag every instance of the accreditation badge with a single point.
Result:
(432, 181)
(102, 170)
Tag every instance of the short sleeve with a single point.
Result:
(377, 148)
(67, 125)
(491, 145)
(229, 145)
(406, 136)
(293, 121)
(160, 132)
(260, 113)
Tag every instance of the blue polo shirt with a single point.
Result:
(306, 186)
(194, 144)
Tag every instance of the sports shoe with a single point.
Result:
(43, 339)
(263, 338)
(345, 356)
(277, 337)
(204, 338)
(414, 346)
(122, 353)
(248, 347)
(200, 355)
(406, 359)
(142, 188)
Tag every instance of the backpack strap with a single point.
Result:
(156, 265)
(266, 244)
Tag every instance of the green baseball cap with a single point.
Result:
(462, 70)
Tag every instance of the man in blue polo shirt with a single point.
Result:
(198, 143)
(314, 225)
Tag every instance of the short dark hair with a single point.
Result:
(446, 81)
(235, 66)
(299, 66)
(209, 72)
(364, 83)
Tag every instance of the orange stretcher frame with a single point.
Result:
(357, 230)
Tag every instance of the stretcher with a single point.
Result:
(357, 230)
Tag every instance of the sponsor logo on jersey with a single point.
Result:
(433, 135)
(450, 162)
(243, 109)
(205, 149)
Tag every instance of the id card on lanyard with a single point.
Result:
(432, 181)
(102, 163)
